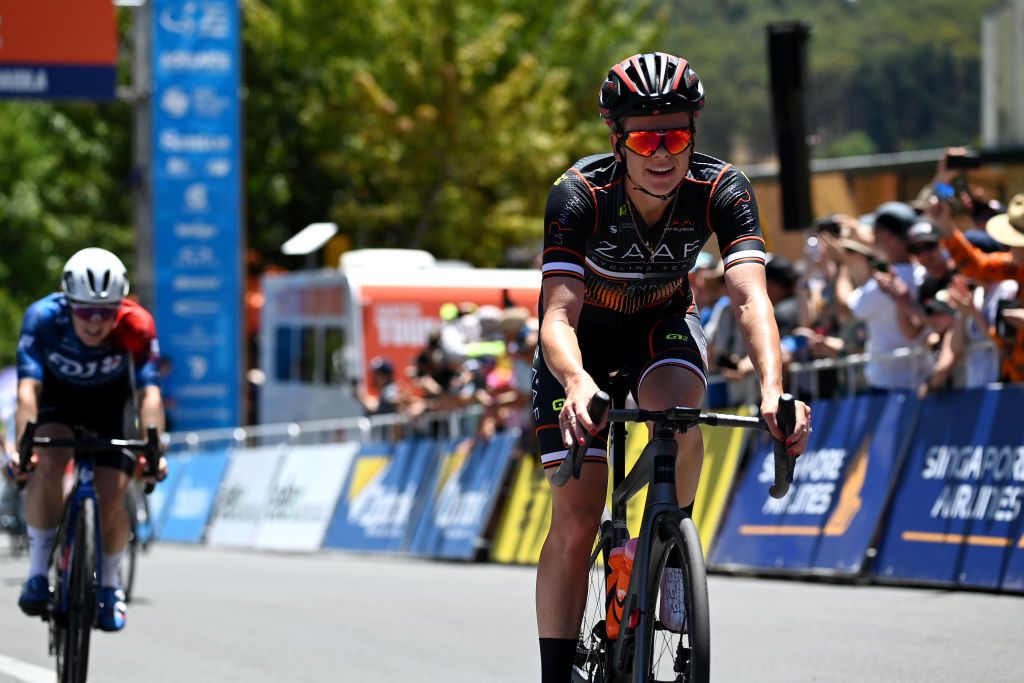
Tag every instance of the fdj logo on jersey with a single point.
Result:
(557, 404)
(675, 336)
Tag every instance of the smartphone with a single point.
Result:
(828, 224)
(969, 160)
(1004, 329)
(878, 264)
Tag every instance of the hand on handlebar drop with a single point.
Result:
(13, 469)
(161, 471)
(796, 443)
(574, 421)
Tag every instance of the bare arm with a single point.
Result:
(151, 408)
(29, 393)
(756, 318)
(562, 302)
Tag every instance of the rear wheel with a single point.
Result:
(74, 628)
(592, 646)
(676, 653)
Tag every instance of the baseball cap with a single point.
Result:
(921, 232)
(896, 217)
(779, 269)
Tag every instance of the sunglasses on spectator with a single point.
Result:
(646, 142)
(922, 248)
(103, 313)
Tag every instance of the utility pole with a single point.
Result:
(142, 186)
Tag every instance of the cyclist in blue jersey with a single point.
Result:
(622, 231)
(83, 352)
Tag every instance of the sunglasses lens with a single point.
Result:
(90, 312)
(646, 142)
(677, 140)
(643, 142)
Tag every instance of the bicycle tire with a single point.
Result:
(129, 563)
(593, 645)
(668, 656)
(73, 644)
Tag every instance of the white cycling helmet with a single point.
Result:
(94, 276)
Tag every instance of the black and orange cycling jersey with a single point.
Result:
(638, 312)
(590, 234)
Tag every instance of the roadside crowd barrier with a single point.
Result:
(892, 488)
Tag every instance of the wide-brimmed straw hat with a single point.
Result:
(1008, 228)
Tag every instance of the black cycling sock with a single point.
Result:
(674, 558)
(556, 658)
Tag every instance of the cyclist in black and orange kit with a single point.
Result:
(622, 230)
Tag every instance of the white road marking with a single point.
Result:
(23, 671)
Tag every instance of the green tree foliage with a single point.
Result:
(906, 74)
(436, 125)
(64, 174)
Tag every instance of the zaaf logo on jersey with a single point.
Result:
(68, 367)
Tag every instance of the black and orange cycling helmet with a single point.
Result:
(650, 84)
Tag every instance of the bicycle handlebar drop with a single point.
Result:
(786, 418)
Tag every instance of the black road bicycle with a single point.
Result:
(647, 650)
(75, 568)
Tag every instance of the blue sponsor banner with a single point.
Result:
(828, 519)
(462, 496)
(46, 81)
(189, 509)
(956, 518)
(196, 179)
(384, 485)
(158, 501)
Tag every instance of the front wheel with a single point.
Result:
(593, 645)
(75, 625)
(678, 647)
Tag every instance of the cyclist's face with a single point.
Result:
(660, 172)
(92, 331)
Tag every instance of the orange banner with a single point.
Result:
(66, 32)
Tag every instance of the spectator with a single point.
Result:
(886, 302)
(385, 397)
(1007, 229)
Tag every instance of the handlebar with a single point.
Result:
(150, 447)
(684, 418)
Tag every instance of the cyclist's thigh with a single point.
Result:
(52, 461)
(668, 362)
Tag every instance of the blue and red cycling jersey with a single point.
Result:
(49, 349)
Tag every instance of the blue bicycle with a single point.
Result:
(75, 568)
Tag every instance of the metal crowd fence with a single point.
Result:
(806, 379)
(375, 428)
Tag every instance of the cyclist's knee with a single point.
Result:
(576, 526)
(51, 465)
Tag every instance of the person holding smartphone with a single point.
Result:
(886, 303)
(1006, 228)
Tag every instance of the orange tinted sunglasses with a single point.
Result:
(646, 142)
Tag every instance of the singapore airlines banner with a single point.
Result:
(196, 181)
(957, 515)
(58, 49)
(827, 521)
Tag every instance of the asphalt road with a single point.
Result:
(213, 615)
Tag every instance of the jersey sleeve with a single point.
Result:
(733, 215)
(137, 334)
(30, 343)
(570, 217)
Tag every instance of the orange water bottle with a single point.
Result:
(621, 563)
